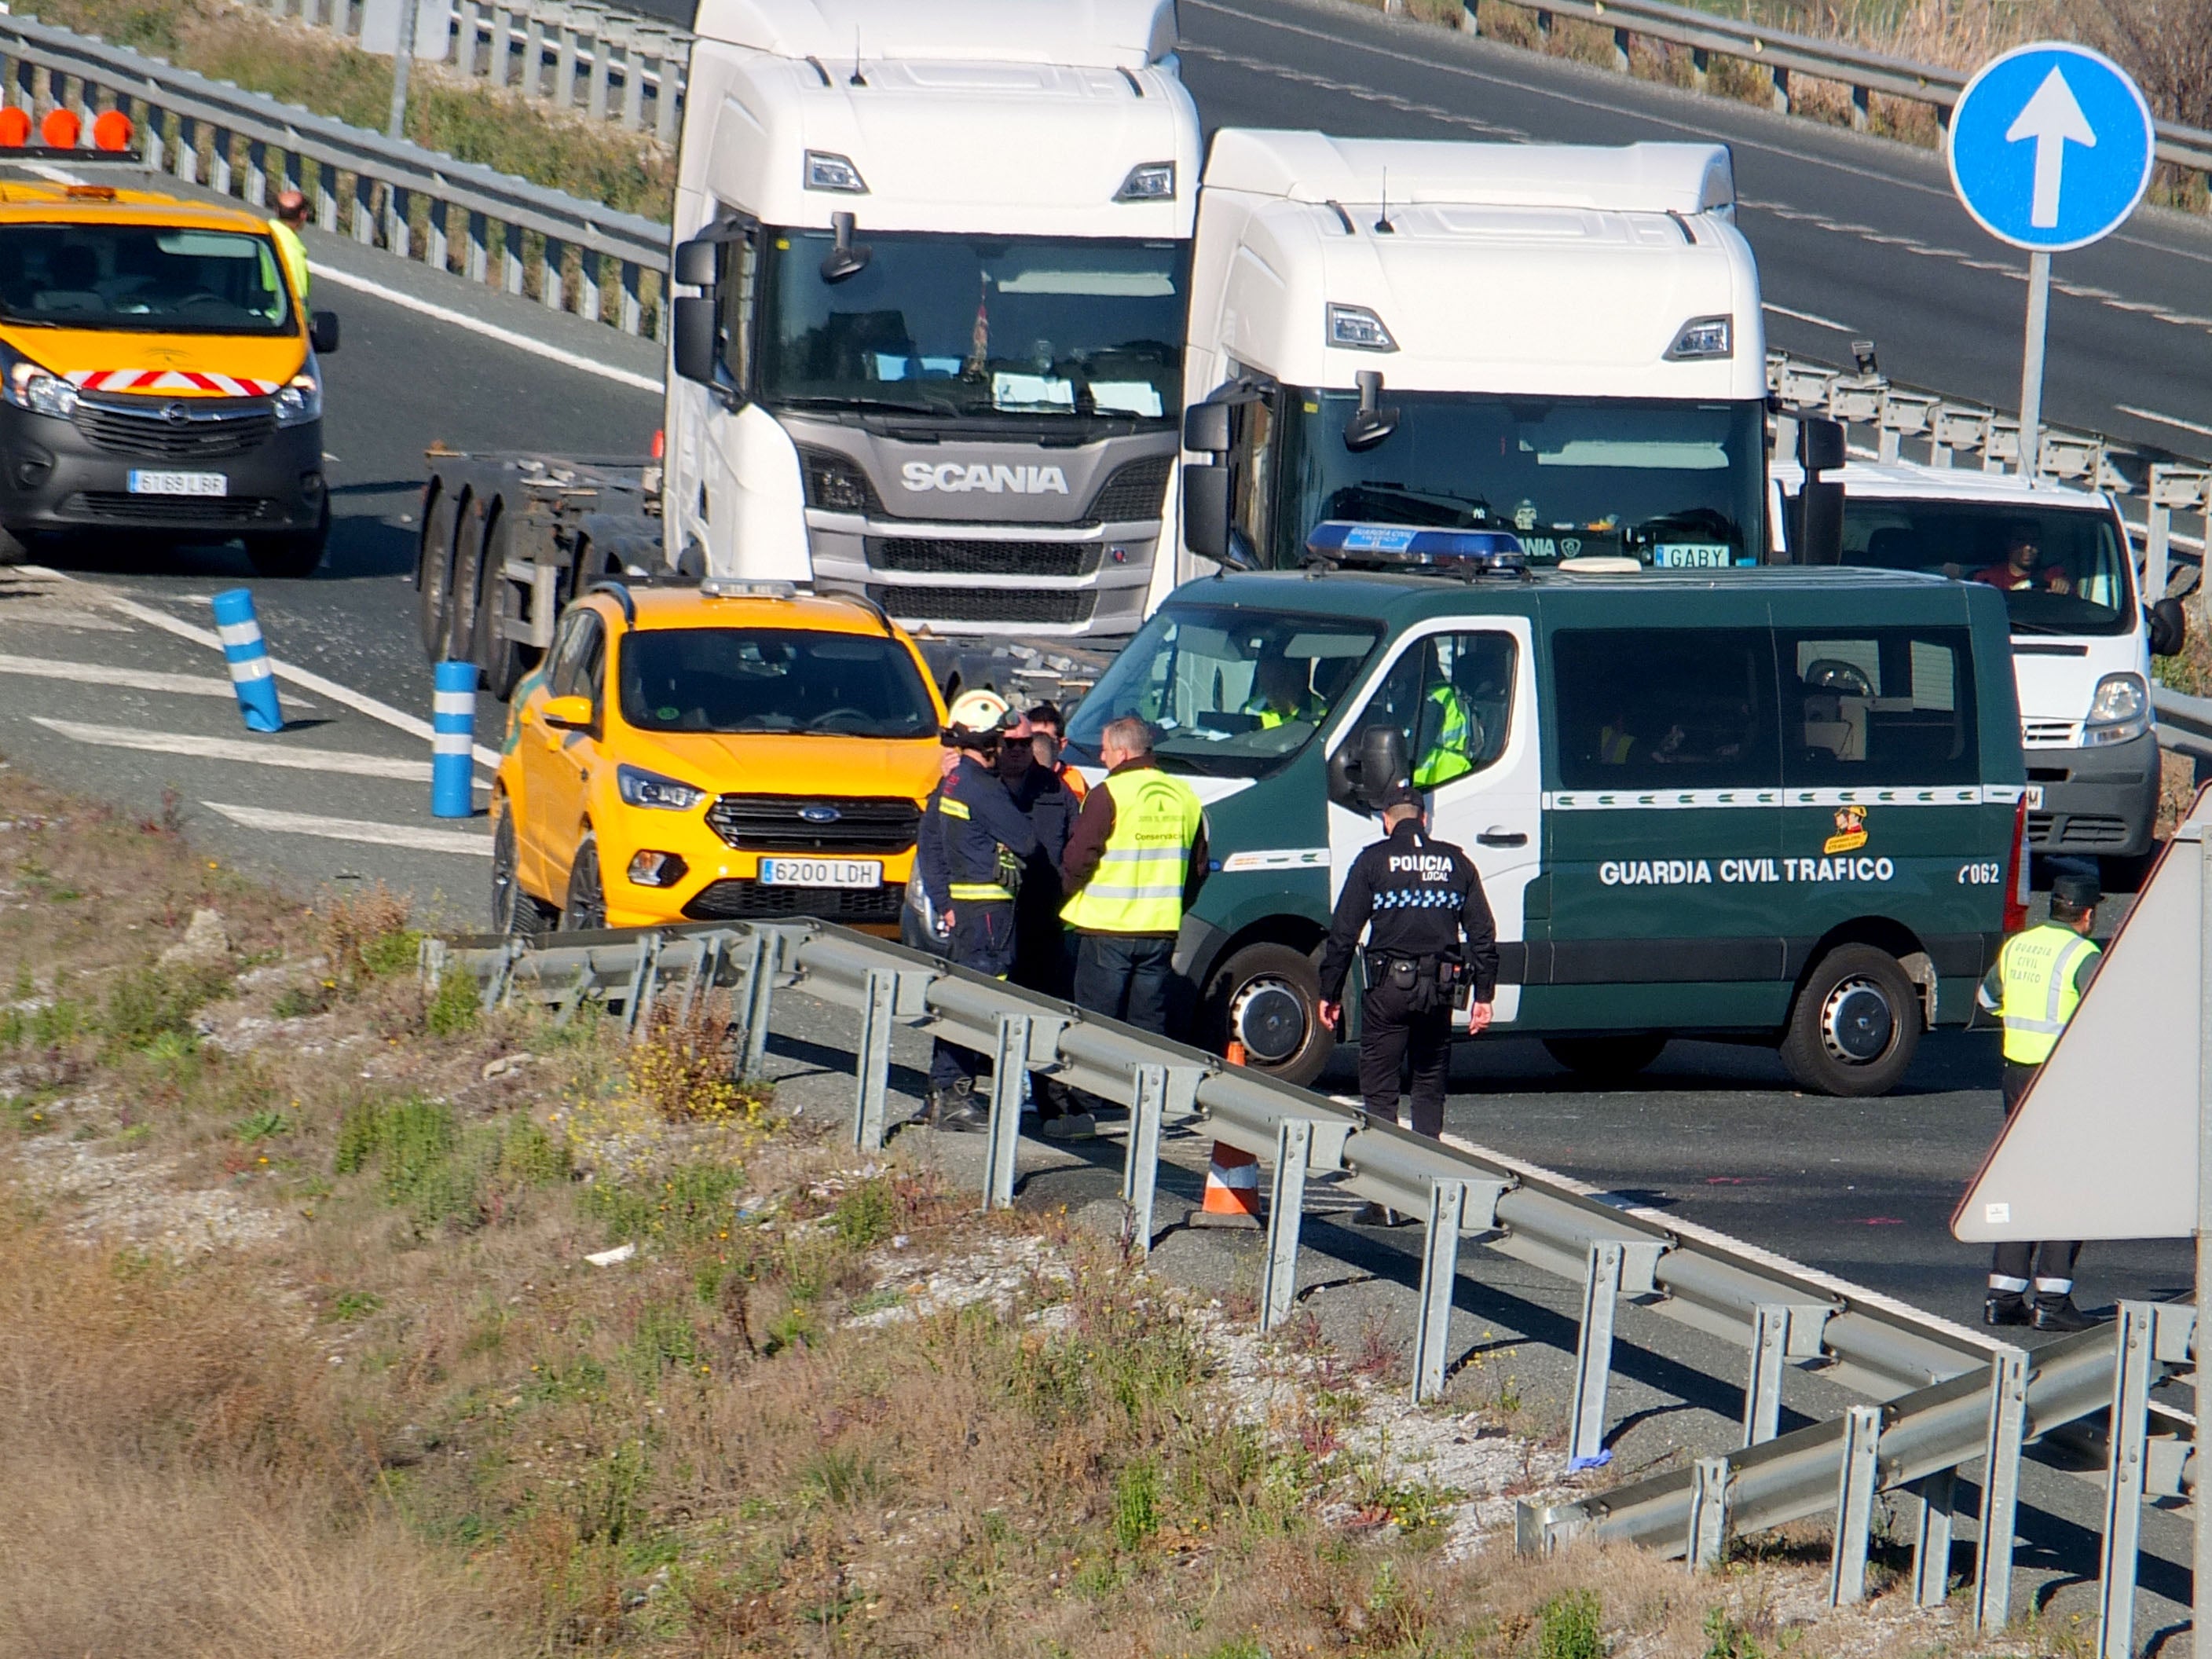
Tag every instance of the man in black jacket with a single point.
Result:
(1415, 898)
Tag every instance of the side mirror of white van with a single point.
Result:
(2168, 626)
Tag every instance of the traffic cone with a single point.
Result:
(1232, 1190)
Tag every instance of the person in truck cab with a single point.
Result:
(1281, 694)
(2022, 563)
(976, 845)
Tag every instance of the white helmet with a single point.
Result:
(978, 714)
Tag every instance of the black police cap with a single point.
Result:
(2074, 890)
(1399, 792)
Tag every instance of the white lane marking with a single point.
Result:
(489, 331)
(63, 617)
(2163, 420)
(134, 679)
(1806, 317)
(238, 748)
(345, 695)
(360, 829)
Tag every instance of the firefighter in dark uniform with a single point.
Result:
(2035, 988)
(1429, 928)
(980, 841)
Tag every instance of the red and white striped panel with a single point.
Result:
(167, 379)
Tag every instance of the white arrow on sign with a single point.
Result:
(2051, 118)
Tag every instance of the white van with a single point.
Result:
(2081, 637)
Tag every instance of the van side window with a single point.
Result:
(1451, 696)
(1666, 708)
(1878, 706)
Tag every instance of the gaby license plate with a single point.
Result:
(178, 483)
(822, 872)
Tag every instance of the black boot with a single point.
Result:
(953, 1111)
(2005, 1308)
(2061, 1316)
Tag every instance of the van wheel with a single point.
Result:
(587, 900)
(1606, 1059)
(1856, 1025)
(1267, 997)
(514, 912)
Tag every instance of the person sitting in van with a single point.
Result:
(1616, 738)
(1281, 694)
(1451, 734)
(2019, 569)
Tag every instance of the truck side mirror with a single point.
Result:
(2168, 624)
(697, 337)
(1205, 511)
(694, 264)
(1820, 444)
(323, 332)
(1206, 428)
(1816, 523)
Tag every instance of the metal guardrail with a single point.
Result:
(1782, 54)
(1951, 1396)
(488, 226)
(603, 62)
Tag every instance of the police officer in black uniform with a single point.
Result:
(1416, 899)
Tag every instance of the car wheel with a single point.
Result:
(434, 574)
(1854, 1026)
(294, 554)
(1606, 1059)
(587, 900)
(514, 912)
(1267, 997)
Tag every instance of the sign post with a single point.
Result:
(2051, 148)
(2200, 1595)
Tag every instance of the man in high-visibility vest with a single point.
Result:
(1134, 862)
(2035, 988)
(291, 215)
(1449, 736)
(1281, 694)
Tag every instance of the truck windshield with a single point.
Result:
(1679, 485)
(2063, 570)
(963, 325)
(1230, 692)
(773, 679)
(153, 277)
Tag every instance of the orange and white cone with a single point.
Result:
(1232, 1189)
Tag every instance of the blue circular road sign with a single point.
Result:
(2051, 146)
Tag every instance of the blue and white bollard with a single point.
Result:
(452, 742)
(248, 657)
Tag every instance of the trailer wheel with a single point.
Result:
(434, 570)
(476, 523)
(1854, 1026)
(504, 659)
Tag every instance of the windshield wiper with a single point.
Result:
(873, 405)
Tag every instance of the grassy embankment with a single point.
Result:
(302, 1355)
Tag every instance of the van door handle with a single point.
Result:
(1498, 836)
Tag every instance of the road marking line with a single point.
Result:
(358, 702)
(238, 748)
(489, 331)
(2163, 420)
(360, 829)
(134, 679)
(1806, 317)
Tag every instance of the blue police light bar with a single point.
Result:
(1414, 547)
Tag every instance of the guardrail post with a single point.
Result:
(363, 215)
(644, 981)
(1862, 108)
(872, 1066)
(1010, 1060)
(633, 298)
(2132, 1366)
(1593, 1357)
(2000, 1488)
(479, 254)
(551, 288)
(1709, 1515)
(503, 44)
(587, 284)
(510, 253)
(760, 989)
(398, 233)
(1931, 1540)
(1855, 1488)
(1278, 1287)
(633, 86)
(706, 964)
(437, 251)
(1439, 1277)
(1762, 1395)
(667, 97)
(1620, 59)
(564, 70)
(595, 100)
(1140, 1163)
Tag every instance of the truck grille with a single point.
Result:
(835, 485)
(737, 900)
(2046, 830)
(987, 604)
(117, 508)
(774, 824)
(929, 556)
(204, 431)
(2050, 734)
(1134, 492)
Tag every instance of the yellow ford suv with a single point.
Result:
(703, 754)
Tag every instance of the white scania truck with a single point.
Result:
(1560, 341)
(926, 347)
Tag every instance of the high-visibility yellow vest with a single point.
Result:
(294, 252)
(1138, 886)
(1446, 756)
(2037, 969)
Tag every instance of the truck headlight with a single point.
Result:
(1358, 327)
(1148, 181)
(300, 402)
(1703, 337)
(638, 787)
(826, 170)
(41, 391)
(2118, 713)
